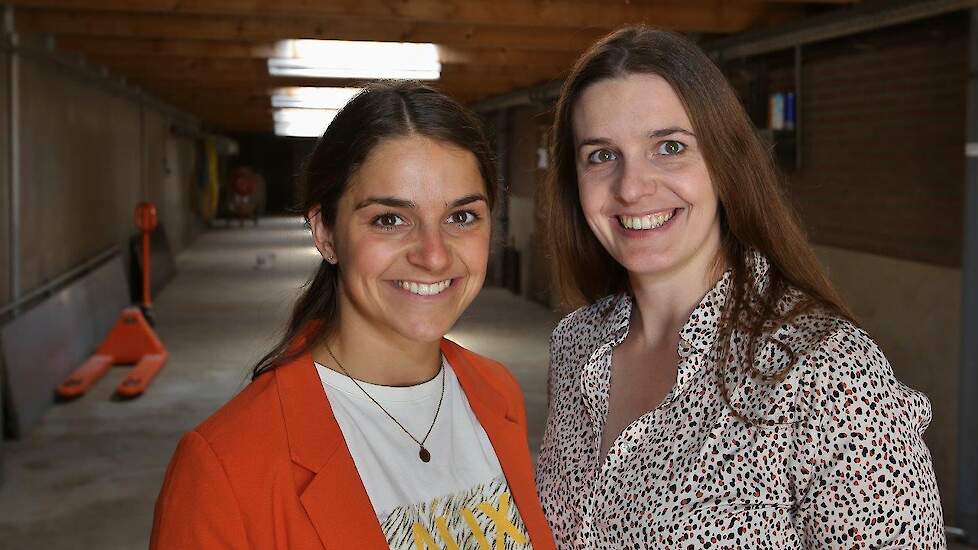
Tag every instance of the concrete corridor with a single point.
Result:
(88, 475)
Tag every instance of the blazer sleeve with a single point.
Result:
(196, 508)
(872, 483)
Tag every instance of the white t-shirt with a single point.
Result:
(461, 494)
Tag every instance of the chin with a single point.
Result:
(424, 332)
(649, 263)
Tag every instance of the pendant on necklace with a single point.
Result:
(424, 455)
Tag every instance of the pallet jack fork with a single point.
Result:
(131, 341)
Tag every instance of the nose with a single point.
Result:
(638, 179)
(430, 252)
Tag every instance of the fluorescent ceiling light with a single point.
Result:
(313, 98)
(361, 59)
(302, 122)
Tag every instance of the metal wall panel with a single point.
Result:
(42, 346)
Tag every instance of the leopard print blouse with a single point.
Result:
(829, 456)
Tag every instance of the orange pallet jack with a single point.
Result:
(132, 339)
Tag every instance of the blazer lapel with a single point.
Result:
(508, 438)
(335, 499)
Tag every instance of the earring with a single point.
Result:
(331, 259)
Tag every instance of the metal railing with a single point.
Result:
(53, 285)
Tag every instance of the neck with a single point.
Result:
(377, 357)
(664, 301)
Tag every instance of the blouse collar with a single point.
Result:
(701, 328)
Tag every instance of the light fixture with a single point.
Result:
(312, 98)
(302, 122)
(306, 112)
(360, 59)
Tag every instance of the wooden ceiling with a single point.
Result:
(209, 57)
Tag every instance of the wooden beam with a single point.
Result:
(257, 93)
(236, 115)
(686, 15)
(162, 47)
(467, 88)
(190, 68)
(221, 109)
(159, 47)
(167, 63)
(196, 70)
(506, 57)
(63, 23)
(194, 101)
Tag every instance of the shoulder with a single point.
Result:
(223, 471)
(818, 364)
(228, 460)
(586, 325)
(589, 316)
(581, 332)
(251, 419)
(848, 370)
(789, 345)
(826, 365)
(828, 349)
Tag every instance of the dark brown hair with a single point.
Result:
(754, 213)
(381, 111)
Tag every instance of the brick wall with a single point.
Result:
(880, 187)
(883, 122)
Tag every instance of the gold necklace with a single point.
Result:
(423, 453)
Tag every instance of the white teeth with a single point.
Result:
(651, 221)
(424, 289)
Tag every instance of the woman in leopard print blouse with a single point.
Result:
(715, 391)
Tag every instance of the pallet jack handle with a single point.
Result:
(146, 222)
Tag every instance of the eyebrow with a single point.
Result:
(394, 202)
(662, 132)
(669, 131)
(593, 141)
(468, 199)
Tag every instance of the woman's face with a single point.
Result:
(411, 239)
(644, 186)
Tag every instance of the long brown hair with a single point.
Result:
(381, 111)
(754, 213)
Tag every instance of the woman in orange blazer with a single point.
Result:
(364, 427)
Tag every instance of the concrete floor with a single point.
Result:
(88, 475)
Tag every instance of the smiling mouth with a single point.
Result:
(645, 223)
(425, 289)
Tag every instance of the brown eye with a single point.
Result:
(388, 221)
(464, 217)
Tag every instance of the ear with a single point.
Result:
(322, 235)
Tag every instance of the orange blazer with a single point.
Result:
(270, 469)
